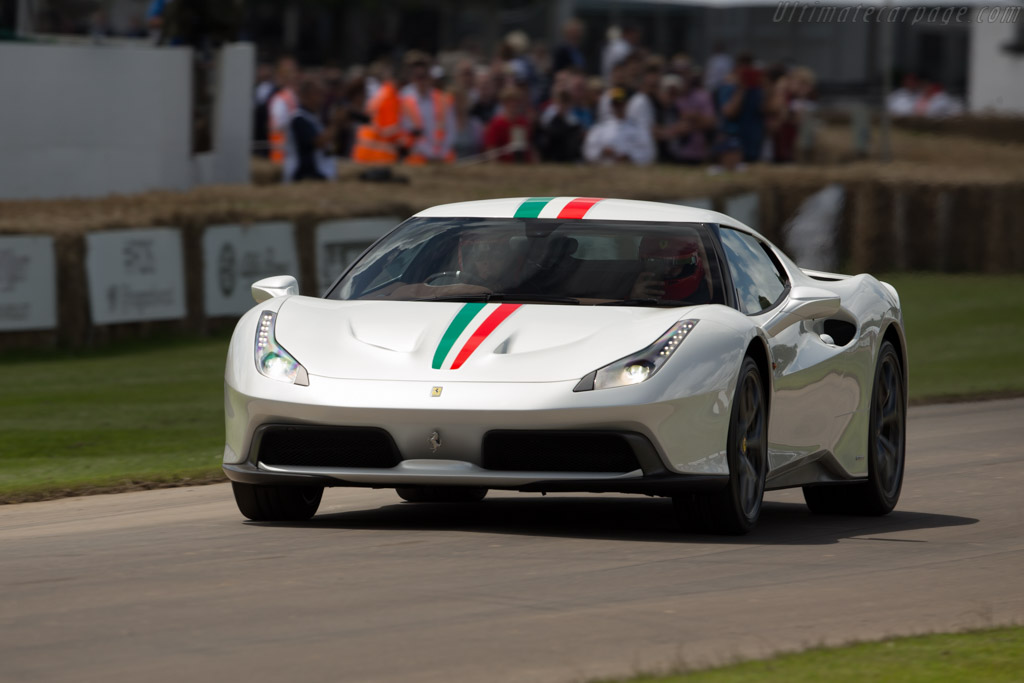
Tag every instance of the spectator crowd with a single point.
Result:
(532, 104)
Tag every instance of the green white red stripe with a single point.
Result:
(555, 207)
(532, 207)
(458, 326)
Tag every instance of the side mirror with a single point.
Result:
(270, 287)
(805, 303)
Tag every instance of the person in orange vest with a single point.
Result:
(384, 139)
(282, 107)
(429, 114)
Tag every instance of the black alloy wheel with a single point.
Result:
(887, 445)
(736, 509)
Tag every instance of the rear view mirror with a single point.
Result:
(271, 287)
(804, 303)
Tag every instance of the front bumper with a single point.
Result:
(678, 442)
(646, 471)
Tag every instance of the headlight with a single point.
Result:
(271, 358)
(640, 366)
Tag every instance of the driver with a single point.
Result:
(673, 269)
(484, 259)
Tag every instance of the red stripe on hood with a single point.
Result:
(489, 324)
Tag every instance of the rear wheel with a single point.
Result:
(441, 494)
(887, 428)
(735, 509)
(277, 503)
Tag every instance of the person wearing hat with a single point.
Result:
(618, 139)
(428, 113)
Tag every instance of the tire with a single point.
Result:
(441, 494)
(277, 503)
(735, 509)
(887, 444)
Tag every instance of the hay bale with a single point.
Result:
(927, 213)
(871, 235)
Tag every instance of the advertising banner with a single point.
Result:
(28, 283)
(340, 242)
(236, 256)
(135, 275)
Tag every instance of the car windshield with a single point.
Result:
(539, 261)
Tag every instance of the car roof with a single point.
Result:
(585, 208)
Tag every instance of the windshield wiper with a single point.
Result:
(654, 303)
(501, 296)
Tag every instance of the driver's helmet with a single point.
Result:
(676, 260)
(483, 257)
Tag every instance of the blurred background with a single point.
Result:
(158, 156)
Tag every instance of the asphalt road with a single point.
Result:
(173, 585)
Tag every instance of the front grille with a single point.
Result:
(561, 451)
(327, 447)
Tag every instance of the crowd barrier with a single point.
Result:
(86, 289)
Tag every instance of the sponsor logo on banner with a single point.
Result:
(340, 242)
(135, 275)
(236, 256)
(28, 283)
(745, 208)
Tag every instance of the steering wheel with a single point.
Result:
(445, 277)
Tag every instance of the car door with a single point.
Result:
(808, 390)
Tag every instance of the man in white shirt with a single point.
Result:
(619, 139)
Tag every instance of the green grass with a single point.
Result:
(143, 412)
(992, 655)
(965, 334)
(151, 412)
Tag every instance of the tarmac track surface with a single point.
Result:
(172, 585)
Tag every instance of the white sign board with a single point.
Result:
(135, 275)
(695, 202)
(746, 208)
(234, 257)
(339, 243)
(28, 284)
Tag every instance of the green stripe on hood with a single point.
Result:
(459, 323)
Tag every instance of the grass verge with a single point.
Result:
(132, 416)
(963, 334)
(993, 655)
(150, 414)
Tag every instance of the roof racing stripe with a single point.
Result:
(489, 324)
(578, 207)
(459, 323)
(531, 208)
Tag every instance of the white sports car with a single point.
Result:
(571, 344)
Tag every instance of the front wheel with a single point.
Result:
(441, 494)
(735, 509)
(887, 444)
(277, 503)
